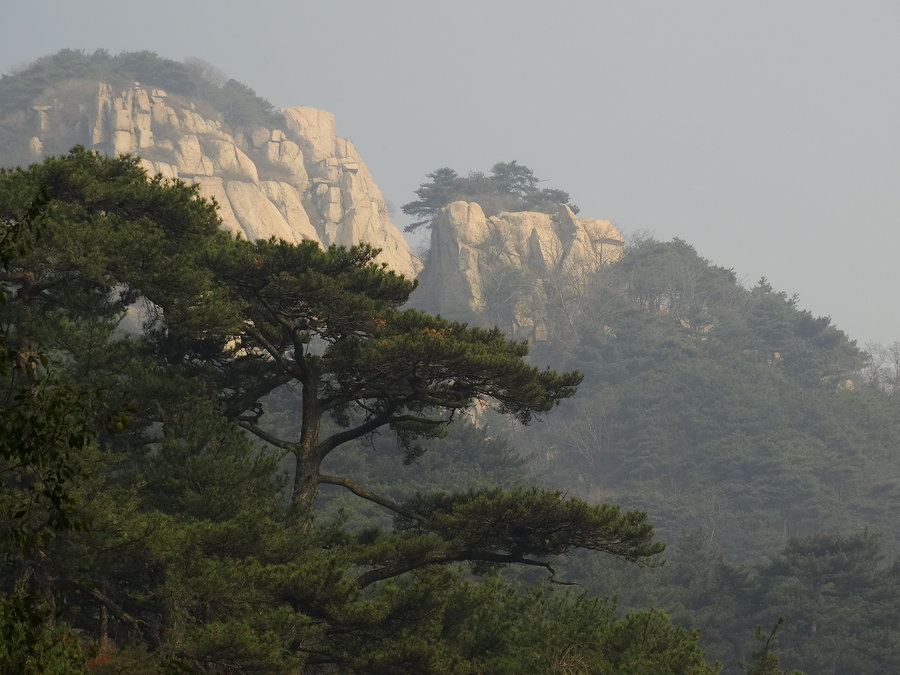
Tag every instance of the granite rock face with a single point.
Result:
(300, 181)
(508, 267)
(296, 183)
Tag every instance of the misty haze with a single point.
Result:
(398, 338)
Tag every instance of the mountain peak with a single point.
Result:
(510, 265)
(296, 180)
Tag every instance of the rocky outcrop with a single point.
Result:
(300, 181)
(296, 183)
(508, 268)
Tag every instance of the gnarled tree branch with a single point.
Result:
(445, 557)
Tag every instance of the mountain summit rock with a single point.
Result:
(509, 266)
(295, 183)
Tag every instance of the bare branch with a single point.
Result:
(445, 557)
(138, 624)
(273, 351)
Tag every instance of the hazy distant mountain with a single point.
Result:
(273, 173)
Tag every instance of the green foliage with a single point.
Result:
(44, 422)
(192, 555)
(705, 415)
(33, 643)
(110, 237)
(534, 521)
(670, 277)
(509, 187)
(438, 623)
(17, 90)
(494, 526)
(327, 322)
(831, 592)
(240, 106)
(44, 433)
(831, 599)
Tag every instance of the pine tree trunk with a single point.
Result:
(306, 481)
(308, 461)
(104, 629)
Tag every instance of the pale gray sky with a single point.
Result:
(766, 134)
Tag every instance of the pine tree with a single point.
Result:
(193, 555)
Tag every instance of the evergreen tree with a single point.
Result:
(192, 555)
(509, 187)
(45, 438)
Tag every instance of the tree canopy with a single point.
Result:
(510, 186)
(209, 360)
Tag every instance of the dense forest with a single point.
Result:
(761, 441)
(228, 456)
(757, 439)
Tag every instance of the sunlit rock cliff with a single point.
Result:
(510, 266)
(288, 175)
(296, 182)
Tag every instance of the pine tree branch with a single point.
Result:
(445, 557)
(372, 497)
(294, 331)
(249, 424)
(415, 419)
(139, 625)
(251, 397)
(289, 366)
(335, 440)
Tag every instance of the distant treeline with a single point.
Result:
(235, 101)
(509, 186)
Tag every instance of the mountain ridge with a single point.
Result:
(287, 174)
(294, 183)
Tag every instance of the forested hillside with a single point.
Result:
(751, 433)
(755, 436)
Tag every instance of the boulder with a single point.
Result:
(230, 161)
(259, 137)
(189, 157)
(286, 199)
(314, 130)
(258, 217)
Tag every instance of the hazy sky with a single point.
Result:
(766, 134)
